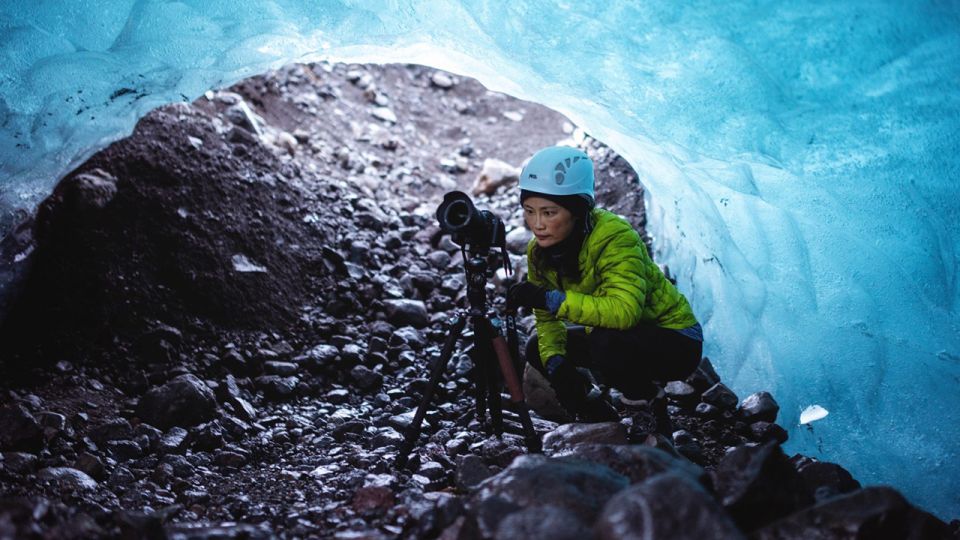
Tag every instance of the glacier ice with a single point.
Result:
(800, 158)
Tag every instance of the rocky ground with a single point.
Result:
(225, 322)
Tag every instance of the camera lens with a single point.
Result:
(457, 214)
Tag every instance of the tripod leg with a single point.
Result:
(516, 393)
(488, 383)
(413, 430)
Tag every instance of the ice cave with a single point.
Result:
(801, 161)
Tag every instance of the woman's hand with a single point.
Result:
(526, 294)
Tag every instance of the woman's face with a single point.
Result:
(550, 222)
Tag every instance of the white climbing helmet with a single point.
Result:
(559, 170)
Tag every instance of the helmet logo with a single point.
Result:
(560, 174)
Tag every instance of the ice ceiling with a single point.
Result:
(801, 160)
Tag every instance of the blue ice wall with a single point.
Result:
(801, 160)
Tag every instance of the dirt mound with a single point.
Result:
(187, 220)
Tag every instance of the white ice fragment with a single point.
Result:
(323, 471)
(812, 414)
(516, 116)
(182, 212)
(195, 142)
(242, 264)
(23, 254)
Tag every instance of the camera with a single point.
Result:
(480, 229)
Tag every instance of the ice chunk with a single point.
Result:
(813, 413)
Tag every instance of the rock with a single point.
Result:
(873, 512)
(668, 506)
(407, 312)
(123, 450)
(276, 387)
(184, 401)
(540, 396)
(366, 379)
(441, 80)
(569, 435)
(111, 430)
(471, 471)
(91, 465)
(704, 376)
(373, 498)
(226, 458)
(274, 367)
(581, 488)
(823, 479)
(681, 392)
(493, 175)
(230, 393)
(19, 462)
(385, 114)
(542, 522)
(500, 452)
(765, 431)
(707, 411)
(67, 479)
(637, 462)
(225, 531)
(759, 407)
(720, 396)
(518, 239)
(758, 485)
(320, 357)
(174, 441)
(234, 361)
(19, 430)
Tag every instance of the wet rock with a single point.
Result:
(68, 479)
(407, 312)
(366, 379)
(208, 437)
(759, 407)
(184, 401)
(227, 458)
(636, 462)
(542, 522)
(757, 485)
(873, 512)
(721, 397)
(234, 361)
(500, 452)
(225, 531)
(373, 498)
(580, 487)
(123, 450)
(669, 506)
(19, 430)
(276, 387)
(19, 462)
(569, 435)
(707, 411)
(541, 397)
(823, 479)
(387, 437)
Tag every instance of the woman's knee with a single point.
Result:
(532, 352)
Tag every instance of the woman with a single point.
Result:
(588, 267)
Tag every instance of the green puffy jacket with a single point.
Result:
(620, 287)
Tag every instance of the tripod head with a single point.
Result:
(475, 231)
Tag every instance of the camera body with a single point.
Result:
(467, 226)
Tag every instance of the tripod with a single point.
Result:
(489, 345)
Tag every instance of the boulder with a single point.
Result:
(184, 401)
(668, 506)
(758, 485)
(720, 396)
(546, 521)
(823, 479)
(580, 487)
(873, 512)
(759, 407)
(493, 175)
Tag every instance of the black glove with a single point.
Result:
(526, 294)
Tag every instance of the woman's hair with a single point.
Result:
(564, 256)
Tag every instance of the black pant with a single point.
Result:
(629, 360)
